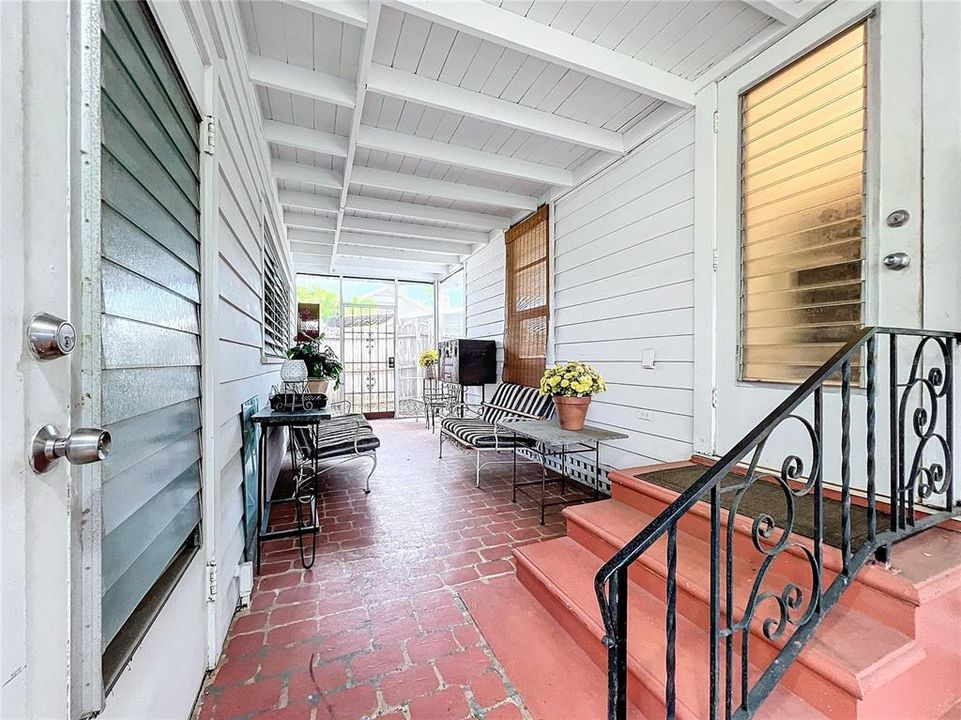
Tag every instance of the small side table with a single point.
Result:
(268, 418)
(437, 397)
(551, 440)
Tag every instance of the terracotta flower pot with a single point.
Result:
(571, 411)
(318, 385)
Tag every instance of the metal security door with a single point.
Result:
(369, 333)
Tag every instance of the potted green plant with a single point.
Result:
(323, 366)
(428, 360)
(572, 384)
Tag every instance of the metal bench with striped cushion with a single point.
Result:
(344, 436)
(477, 429)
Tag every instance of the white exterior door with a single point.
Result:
(892, 182)
(42, 181)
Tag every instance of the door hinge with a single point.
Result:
(713, 397)
(212, 581)
(715, 122)
(209, 134)
(714, 259)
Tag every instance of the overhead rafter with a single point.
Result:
(530, 37)
(403, 229)
(406, 255)
(301, 81)
(301, 137)
(369, 264)
(427, 212)
(433, 93)
(322, 177)
(314, 237)
(308, 201)
(370, 269)
(445, 247)
(352, 12)
(363, 70)
(412, 146)
(310, 249)
(441, 188)
(312, 222)
(786, 12)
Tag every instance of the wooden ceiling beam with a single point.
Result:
(508, 29)
(384, 80)
(299, 172)
(301, 81)
(300, 137)
(441, 188)
(351, 12)
(453, 250)
(311, 222)
(414, 230)
(363, 70)
(307, 201)
(412, 146)
(413, 211)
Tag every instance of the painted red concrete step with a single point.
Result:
(555, 677)
(851, 654)
(560, 574)
(876, 591)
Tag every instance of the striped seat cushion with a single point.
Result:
(508, 396)
(336, 437)
(480, 434)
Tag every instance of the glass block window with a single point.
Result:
(802, 211)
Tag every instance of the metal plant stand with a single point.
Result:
(551, 440)
(304, 494)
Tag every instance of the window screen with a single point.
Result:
(802, 211)
(276, 302)
(526, 300)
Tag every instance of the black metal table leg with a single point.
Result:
(514, 481)
(543, 481)
(597, 470)
(261, 488)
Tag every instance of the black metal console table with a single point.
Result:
(305, 491)
(551, 440)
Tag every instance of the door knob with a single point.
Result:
(896, 261)
(82, 446)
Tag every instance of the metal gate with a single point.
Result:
(369, 333)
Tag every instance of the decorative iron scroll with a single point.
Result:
(920, 449)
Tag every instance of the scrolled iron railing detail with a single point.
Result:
(796, 605)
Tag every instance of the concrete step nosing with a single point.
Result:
(636, 669)
(812, 659)
(874, 577)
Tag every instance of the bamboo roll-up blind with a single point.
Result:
(526, 300)
(802, 211)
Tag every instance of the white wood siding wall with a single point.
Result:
(624, 282)
(484, 298)
(246, 194)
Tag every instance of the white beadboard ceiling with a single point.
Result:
(403, 133)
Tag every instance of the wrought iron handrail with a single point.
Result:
(611, 581)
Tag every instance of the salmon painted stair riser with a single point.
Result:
(891, 648)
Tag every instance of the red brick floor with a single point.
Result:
(376, 628)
